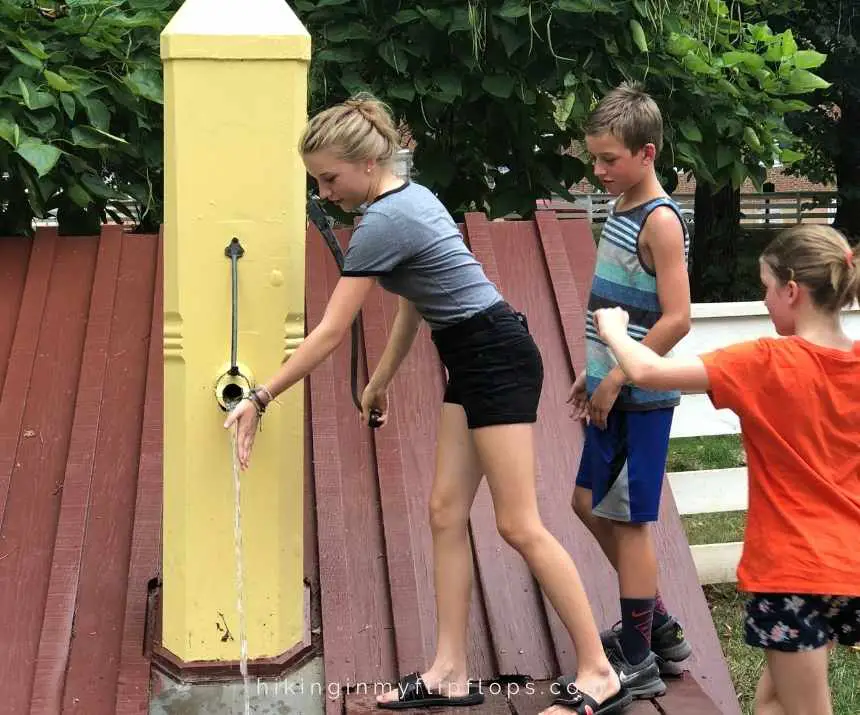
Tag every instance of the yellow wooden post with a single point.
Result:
(235, 96)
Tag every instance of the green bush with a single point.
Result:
(81, 112)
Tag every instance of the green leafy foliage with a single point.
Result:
(491, 92)
(829, 150)
(80, 111)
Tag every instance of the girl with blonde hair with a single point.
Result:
(409, 243)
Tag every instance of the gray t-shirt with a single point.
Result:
(408, 240)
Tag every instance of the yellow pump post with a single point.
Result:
(235, 102)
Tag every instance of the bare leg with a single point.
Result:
(507, 455)
(600, 528)
(637, 560)
(455, 483)
(766, 702)
(800, 681)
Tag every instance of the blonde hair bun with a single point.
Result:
(358, 129)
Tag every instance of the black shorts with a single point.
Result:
(795, 622)
(494, 368)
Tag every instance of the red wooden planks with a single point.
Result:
(19, 369)
(514, 609)
(524, 281)
(358, 641)
(56, 633)
(581, 253)
(571, 300)
(406, 459)
(39, 397)
(96, 647)
(14, 256)
(526, 265)
(145, 559)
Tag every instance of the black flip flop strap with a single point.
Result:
(412, 688)
(574, 698)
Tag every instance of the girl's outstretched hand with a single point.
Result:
(611, 321)
(245, 417)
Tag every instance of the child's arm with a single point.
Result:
(663, 242)
(642, 365)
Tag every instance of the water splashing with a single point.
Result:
(240, 581)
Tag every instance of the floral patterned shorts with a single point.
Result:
(797, 622)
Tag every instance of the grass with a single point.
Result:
(727, 605)
(689, 453)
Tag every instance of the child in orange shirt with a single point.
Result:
(798, 399)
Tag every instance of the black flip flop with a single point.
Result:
(413, 693)
(579, 701)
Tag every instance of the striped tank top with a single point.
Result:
(622, 279)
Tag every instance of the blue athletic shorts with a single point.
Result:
(624, 464)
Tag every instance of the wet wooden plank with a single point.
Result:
(525, 283)
(96, 648)
(684, 598)
(51, 331)
(406, 458)
(132, 695)
(365, 704)
(358, 642)
(14, 257)
(56, 631)
(532, 698)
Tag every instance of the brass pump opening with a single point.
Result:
(230, 389)
(231, 394)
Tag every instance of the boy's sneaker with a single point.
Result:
(671, 647)
(641, 680)
(667, 643)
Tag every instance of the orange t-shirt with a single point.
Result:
(799, 408)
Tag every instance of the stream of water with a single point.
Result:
(240, 581)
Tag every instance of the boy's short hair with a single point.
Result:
(629, 114)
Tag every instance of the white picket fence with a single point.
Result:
(713, 491)
(757, 209)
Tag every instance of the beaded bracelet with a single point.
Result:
(259, 405)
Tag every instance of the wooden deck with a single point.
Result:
(80, 470)
(372, 490)
(80, 484)
(684, 697)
